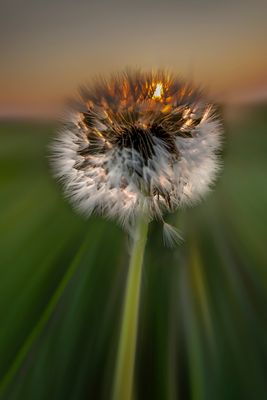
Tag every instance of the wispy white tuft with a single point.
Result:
(124, 150)
(171, 236)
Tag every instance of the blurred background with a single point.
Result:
(203, 318)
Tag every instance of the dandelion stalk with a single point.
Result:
(128, 335)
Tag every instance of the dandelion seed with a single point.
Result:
(170, 235)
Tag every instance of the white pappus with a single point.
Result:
(138, 143)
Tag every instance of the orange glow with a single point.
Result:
(158, 92)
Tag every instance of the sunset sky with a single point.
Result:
(49, 48)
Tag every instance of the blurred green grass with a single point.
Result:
(203, 322)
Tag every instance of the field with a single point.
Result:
(203, 321)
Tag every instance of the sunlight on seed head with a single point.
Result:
(158, 91)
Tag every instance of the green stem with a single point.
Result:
(127, 345)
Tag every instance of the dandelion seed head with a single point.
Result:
(137, 143)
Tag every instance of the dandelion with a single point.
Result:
(134, 148)
(140, 143)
